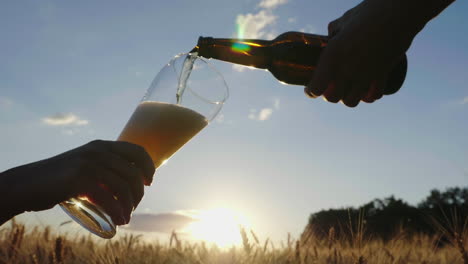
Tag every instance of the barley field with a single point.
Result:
(41, 245)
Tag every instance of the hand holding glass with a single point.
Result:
(166, 118)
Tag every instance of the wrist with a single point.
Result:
(10, 202)
(423, 11)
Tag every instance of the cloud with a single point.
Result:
(262, 115)
(292, 20)
(69, 132)
(220, 118)
(162, 223)
(265, 114)
(62, 119)
(271, 4)
(255, 26)
(259, 25)
(464, 101)
(276, 103)
(253, 114)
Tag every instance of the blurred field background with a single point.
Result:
(19, 244)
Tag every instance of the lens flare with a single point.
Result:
(219, 226)
(240, 47)
(240, 30)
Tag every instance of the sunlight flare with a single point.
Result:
(219, 226)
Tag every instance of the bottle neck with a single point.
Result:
(250, 52)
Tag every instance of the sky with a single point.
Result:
(74, 71)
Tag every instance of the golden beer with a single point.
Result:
(162, 128)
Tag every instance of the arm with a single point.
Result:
(98, 170)
(365, 45)
(430, 8)
(9, 203)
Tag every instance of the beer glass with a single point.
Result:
(183, 98)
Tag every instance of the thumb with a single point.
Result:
(323, 74)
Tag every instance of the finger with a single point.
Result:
(330, 93)
(118, 189)
(322, 75)
(335, 91)
(136, 154)
(127, 171)
(370, 96)
(320, 81)
(355, 94)
(381, 85)
(351, 100)
(308, 94)
(138, 189)
(105, 200)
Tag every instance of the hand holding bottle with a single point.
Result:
(364, 46)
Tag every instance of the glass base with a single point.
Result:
(90, 216)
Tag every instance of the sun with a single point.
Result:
(219, 226)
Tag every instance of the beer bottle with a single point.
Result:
(291, 57)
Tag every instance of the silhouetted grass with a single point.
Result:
(42, 245)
